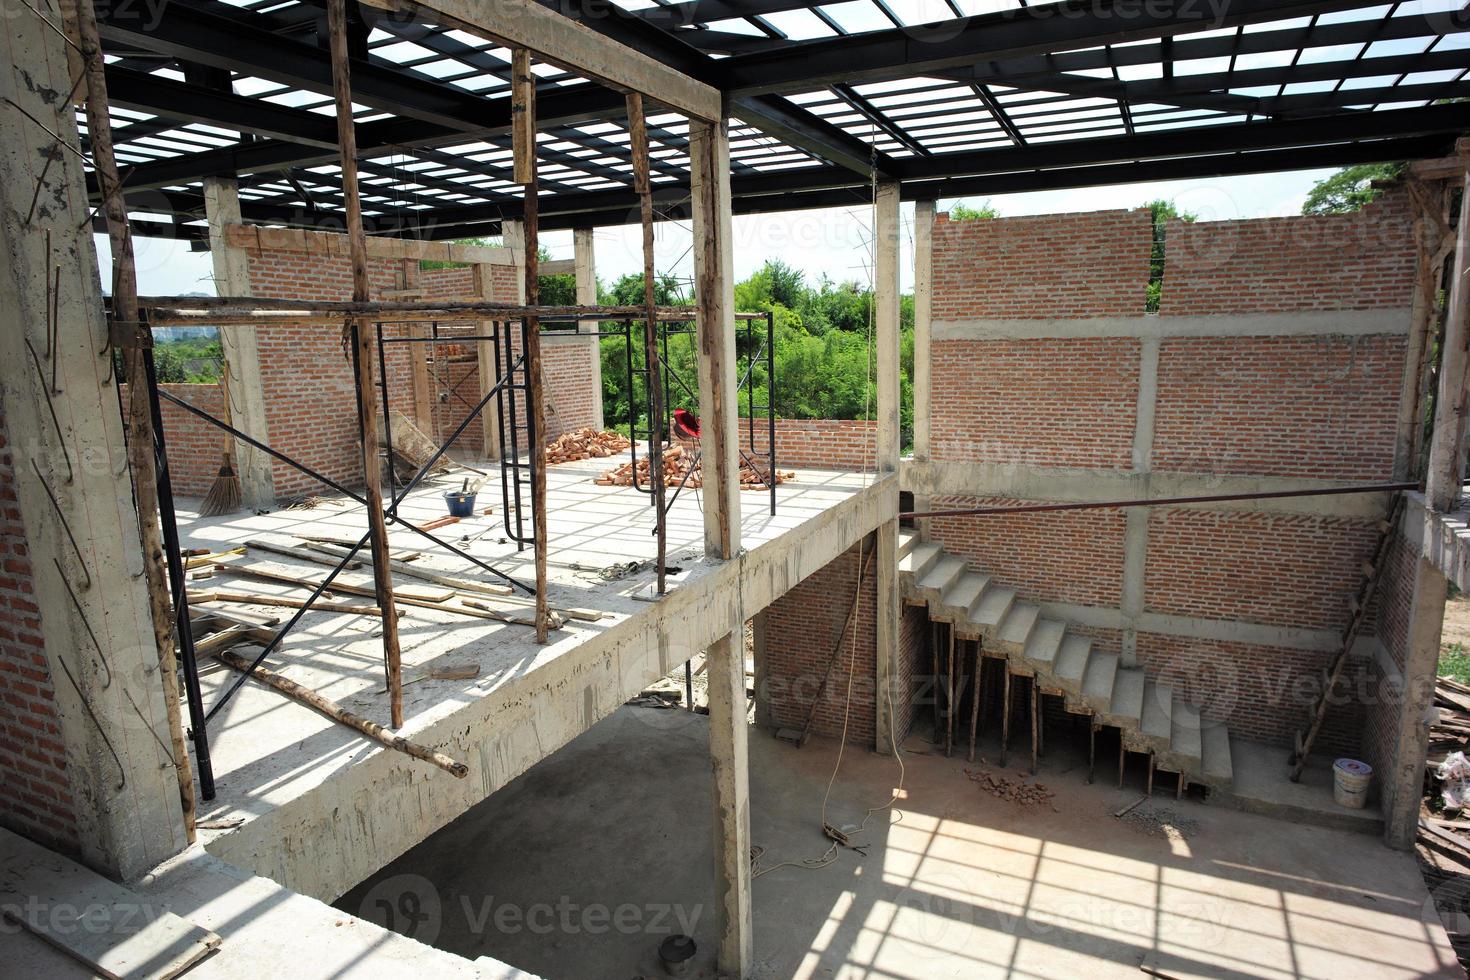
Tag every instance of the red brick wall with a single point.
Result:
(1322, 407)
(35, 789)
(1042, 267)
(1359, 261)
(1043, 402)
(1066, 556)
(309, 394)
(818, 444)
(801, 633)
(1277, 569)
(195, 448)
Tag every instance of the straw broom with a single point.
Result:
(224, 496)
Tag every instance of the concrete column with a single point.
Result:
(72, 490)
(584, 258)
(485, 360)
(886, 292)
(923, 343)
(709, 152)
(1401, 785)
(1447, 442)
(424, 388)
(241, 349)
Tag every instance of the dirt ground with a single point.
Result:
(1456, 622)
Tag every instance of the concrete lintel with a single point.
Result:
(1342, 322)
(366, 810)
(1024, 481)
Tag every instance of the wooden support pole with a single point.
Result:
(934, 682)
(139, 409)
(1091, 749)
(1122, 759)
(1035, 723)
(951, 695)
(1152, 765)
(1005, 716)
(642, 186)
(975, 695)
(341, 715)
(523, 112)
(360, 337)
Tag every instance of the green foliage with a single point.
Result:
(1350, 188)
(1160, 211)
(963, 212)
(821, 348)
(195, 360)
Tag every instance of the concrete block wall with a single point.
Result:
(35, 787)
(1277, 361)
(195, 448)
(801, 632)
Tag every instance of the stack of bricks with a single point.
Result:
(35, 788)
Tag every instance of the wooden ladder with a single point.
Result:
(1372, 574)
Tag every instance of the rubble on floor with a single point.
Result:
(677, 463)
(1016, 790)
(585, 443)
(1160, 821)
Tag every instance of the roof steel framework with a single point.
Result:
(950, 97)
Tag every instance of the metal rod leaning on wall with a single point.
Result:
(638, 138)
(362, 355)
(182, 623)
(523, 122)
(1162, 501)
(126, 327)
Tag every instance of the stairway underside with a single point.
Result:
(1151, 716)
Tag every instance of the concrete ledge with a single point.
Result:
(1443, 539)
(360, 812)
(1352, 323)
(1027, 481)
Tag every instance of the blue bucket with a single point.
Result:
(461, 503)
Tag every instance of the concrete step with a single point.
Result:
(940, 576)
(1186, 744)
(908, 539)
(991, 609)
(1016, 630)
(914, 565)
(1218, 771)
(1043, 644)
(1071, 664)
(1098, 681)
(957, 599)
(1156, 725)
(1126, 709)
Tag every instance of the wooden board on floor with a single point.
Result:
(59, 900)
(355, 583)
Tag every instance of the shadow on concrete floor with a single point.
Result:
(581, 866)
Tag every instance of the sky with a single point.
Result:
(834, 242)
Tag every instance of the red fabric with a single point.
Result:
(686, 424)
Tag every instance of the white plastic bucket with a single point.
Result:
(1350, 779)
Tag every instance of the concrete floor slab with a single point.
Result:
(956, 883)
(324, 807)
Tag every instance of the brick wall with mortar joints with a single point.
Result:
(196, 449)
(1261, 692)
(1067, 556)
(1042, 266)
(1380, 729)
(1322, 407)
(801, 631)
(35, 787)
(1048, 402)
(818, 444)
(1289, 570)
(1358, 261)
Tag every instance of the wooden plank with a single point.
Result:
(57, 899)
(363, 354)
(565, 42)
(347, 582)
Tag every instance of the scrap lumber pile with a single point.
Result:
(585, 443)
(1443, 845)
(677, 463)
(1451, 730)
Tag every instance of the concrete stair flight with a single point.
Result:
(1151, 716)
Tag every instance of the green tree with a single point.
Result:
(1160, 211)
(961, 211)
(1350, 188)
